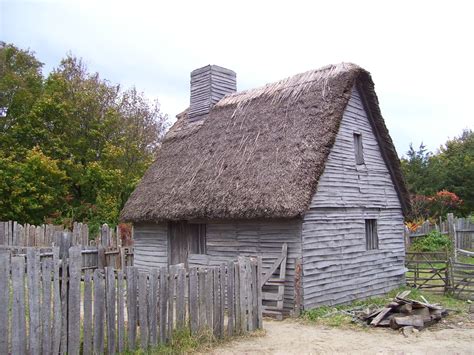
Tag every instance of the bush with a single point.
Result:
(434, 241)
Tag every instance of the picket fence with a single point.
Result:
(57, 307)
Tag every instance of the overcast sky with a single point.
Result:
(420, 53)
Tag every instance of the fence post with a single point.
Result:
(74, 300)
(298, 276)
(33, 276)
(18, 306)
(4, 300)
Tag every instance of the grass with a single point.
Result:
(183, 342)
(335, 316)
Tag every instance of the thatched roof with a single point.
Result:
(259, 153)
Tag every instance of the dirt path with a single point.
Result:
(293, 337)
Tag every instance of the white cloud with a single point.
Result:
(419, 52)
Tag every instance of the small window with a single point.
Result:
(371, 236)
(359, 154)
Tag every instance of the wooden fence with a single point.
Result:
(56, 307)
(440, 273)
(47, 235)
(106, 249)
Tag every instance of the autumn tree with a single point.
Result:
(98, 138)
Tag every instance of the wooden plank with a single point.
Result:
(171, 293)
(230, 299)
(254, 294)
(143, 309)
(222, 288)
(56, 341)
(46, 269)
(110, 299)
(215, 303)
(18, 345)
(193, 300)
(4, 299)
(64, 301)
(209, 297)
(99, 311)
(87, 335)
(380, 316)
(131, 307)
(120, 311)
(33, 277)
(243, 295)
(74, 300)
(163, 303)
(202, 298)
(238, 309)
(154, 285)
(180, 299)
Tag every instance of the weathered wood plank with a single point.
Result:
(143, 309)
(74, 300)
(110, 309)
(193, 300)
(131, 307)
(4, 299)
(216, 300)
(180, 299)
(64, 301)
(99, 311)
(163, 303)
(243, 295)
(55, 347)
(120, 311)
(18, 345)
(46, 269)
(171, 294)
(209, 297)
(202, 298)
(33, 276)
(230, 299)
(87, 335)
(154, 287)
(222, 288)
(259, 293)
(238, 305)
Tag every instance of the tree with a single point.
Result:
(454, 168)
(20, 86)
(98, 138)
(416, 169)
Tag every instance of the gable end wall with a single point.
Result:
(337, 268)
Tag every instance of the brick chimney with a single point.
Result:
(209, 84)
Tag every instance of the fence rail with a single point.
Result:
(57, 307)
(440, 273)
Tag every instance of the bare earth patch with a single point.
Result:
(454, 336)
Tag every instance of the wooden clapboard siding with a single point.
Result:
(260, 237)
(337, 268)
(150, 245)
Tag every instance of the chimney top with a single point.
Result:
(209, 84)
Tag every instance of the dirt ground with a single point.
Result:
(452, 336)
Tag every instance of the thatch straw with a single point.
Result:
(259, 153)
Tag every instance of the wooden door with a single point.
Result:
(184, 239)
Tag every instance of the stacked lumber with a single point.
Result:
(404, 312)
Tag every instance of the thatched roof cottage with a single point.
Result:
(306, 161)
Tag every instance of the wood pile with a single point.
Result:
(404, 312)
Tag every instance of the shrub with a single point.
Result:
(434, 241)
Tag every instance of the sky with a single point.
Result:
(420, 53)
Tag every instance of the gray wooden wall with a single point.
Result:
(337, 268)
(264, 237)
(150, 245)
(228, 239)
